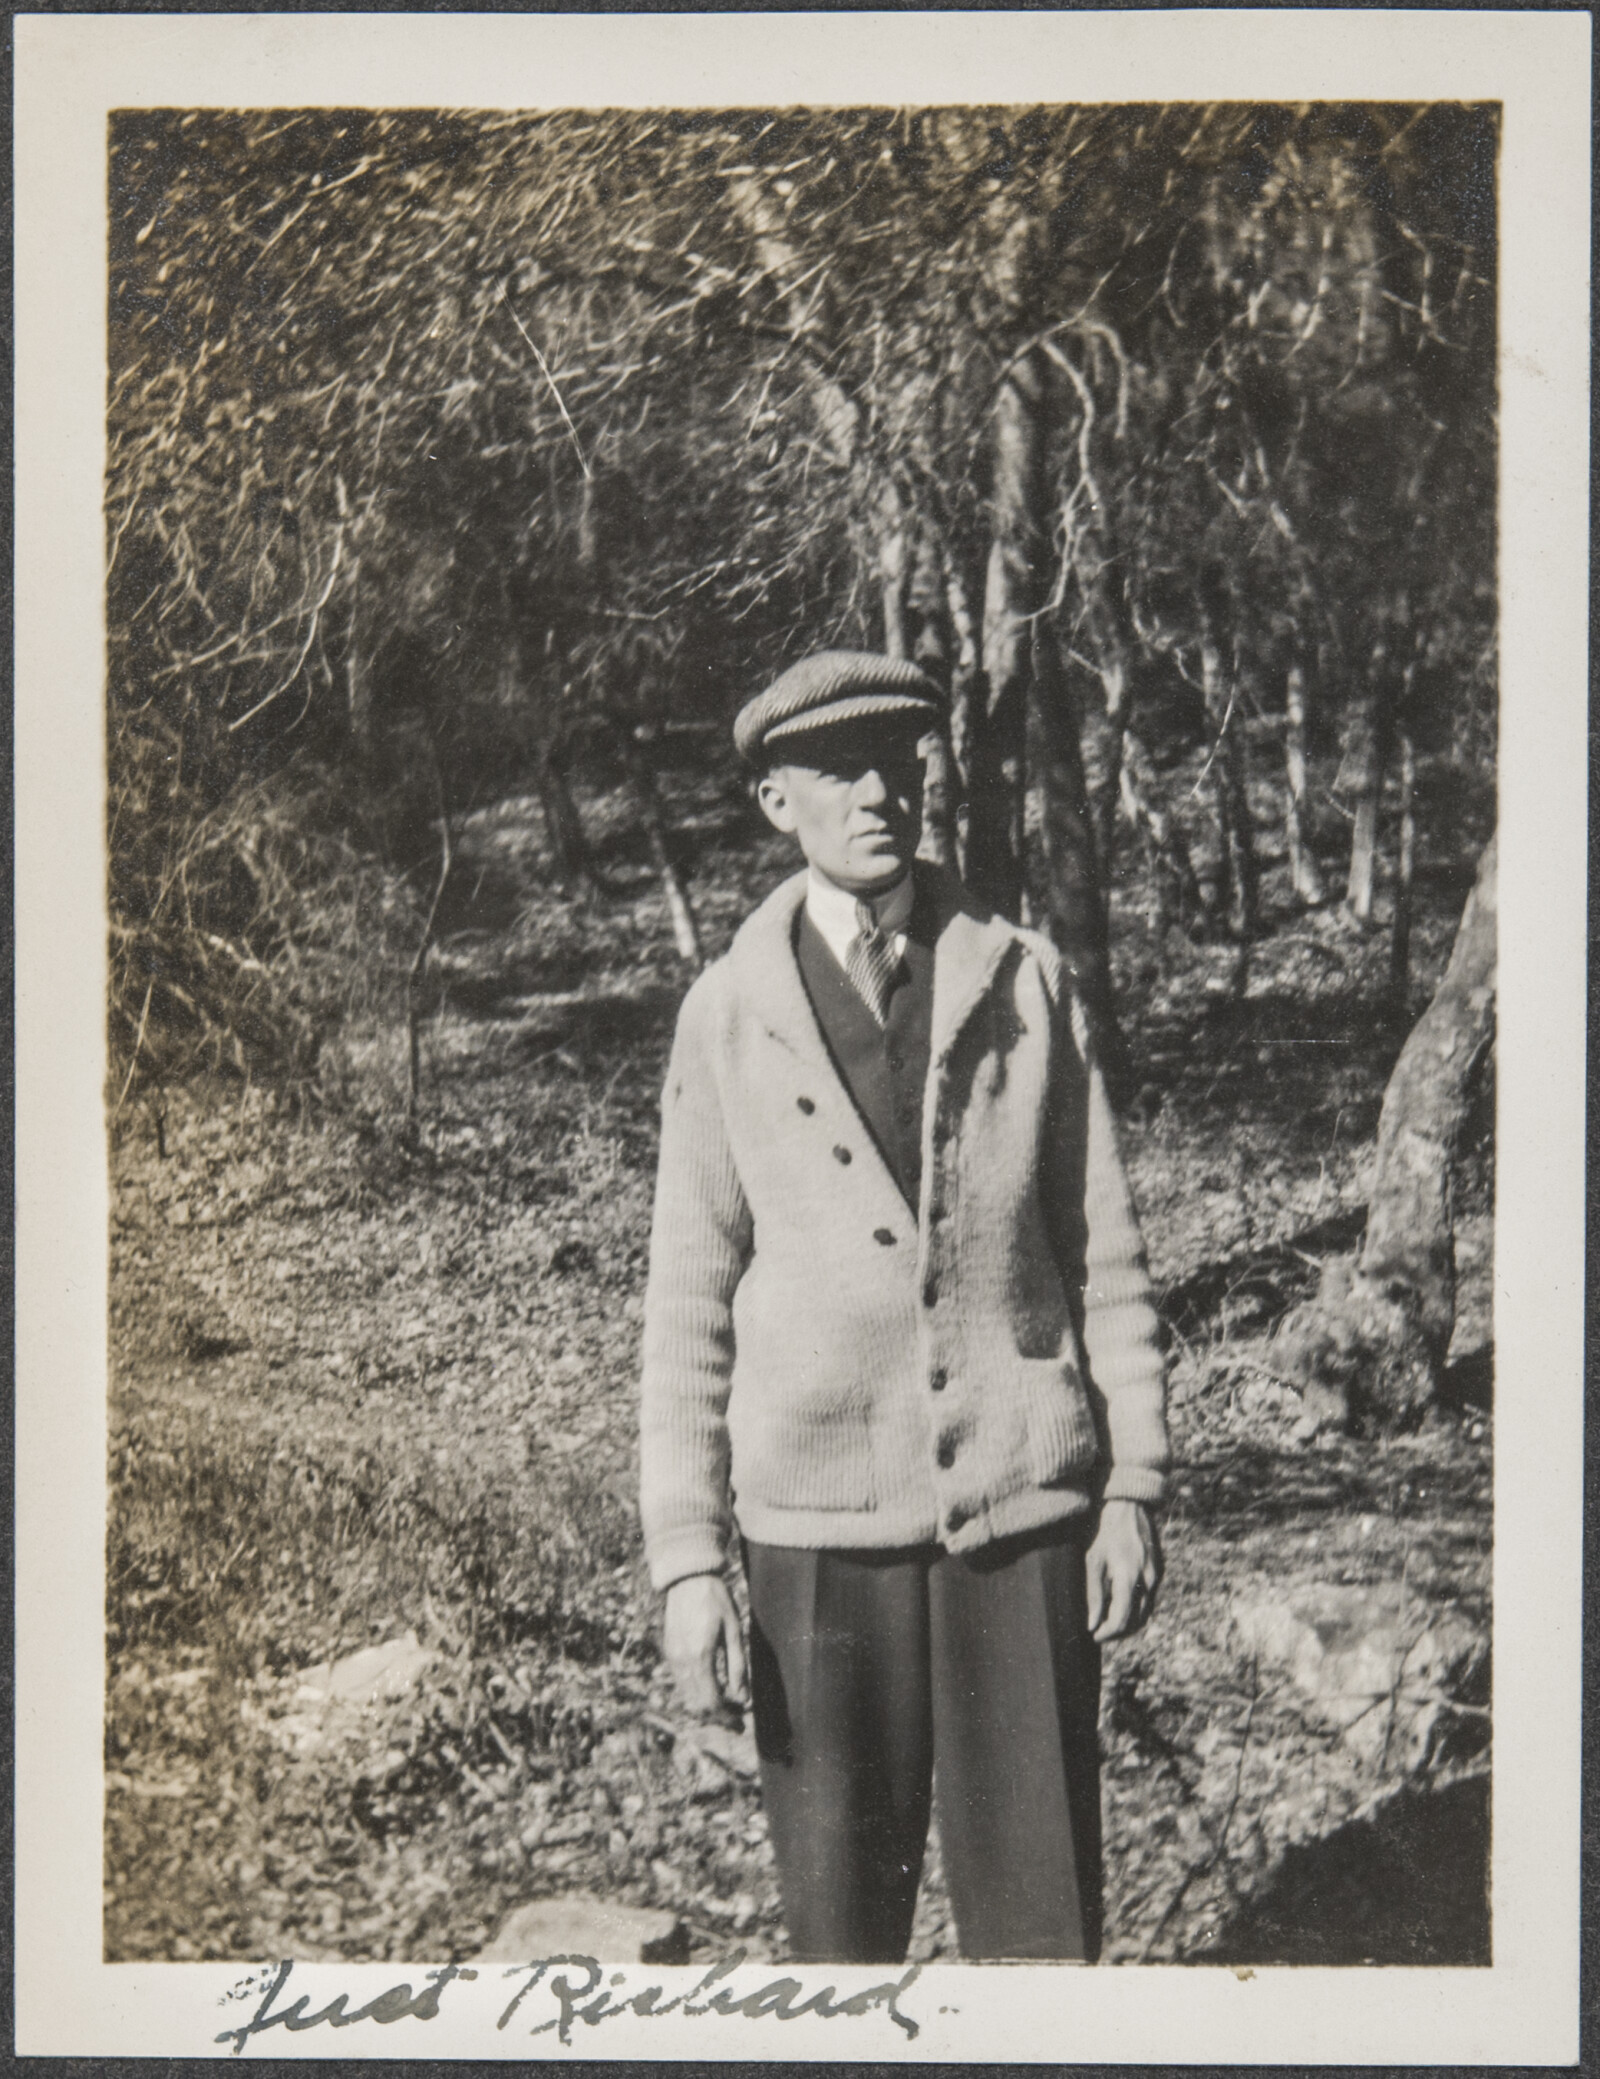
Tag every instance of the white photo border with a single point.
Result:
(70, 72)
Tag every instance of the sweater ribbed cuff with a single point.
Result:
(677, 1554)
(1136, 1483)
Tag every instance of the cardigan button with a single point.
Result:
(947, 1453)
(806, 1105)
(884, 1235)
(930, 1291)
(938, 1378)
(956, 1520)
(841, 1154)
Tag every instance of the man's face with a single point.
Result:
(853, 797)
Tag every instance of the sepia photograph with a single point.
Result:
(984, 615)
(801, 1089)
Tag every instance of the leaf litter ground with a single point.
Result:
(367, 1383)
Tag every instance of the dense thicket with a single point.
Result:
(448, 449)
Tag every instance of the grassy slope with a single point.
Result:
(362, 1386)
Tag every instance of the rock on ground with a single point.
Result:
(333, 1697)
(728, 1750)
(582, 1925)
(375, 1672)
(1380, 1666)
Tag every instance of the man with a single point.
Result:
(898, 1333)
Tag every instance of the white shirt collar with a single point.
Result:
(833, 910)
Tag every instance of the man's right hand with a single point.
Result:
(701, 1619)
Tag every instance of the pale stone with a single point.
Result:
(582, 1925)
(1375, 1663)
(730, 1750)
(370, 1675)
(558, 1833)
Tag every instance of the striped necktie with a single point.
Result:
(871, 964)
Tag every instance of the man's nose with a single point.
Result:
(871, 790)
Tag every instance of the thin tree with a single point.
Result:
(680, 909)
(1304, 874)
(1360, 777)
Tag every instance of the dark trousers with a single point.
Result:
(871, 1672)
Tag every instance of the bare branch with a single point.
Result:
(544, 368)
(311, 635)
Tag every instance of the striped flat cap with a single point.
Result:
(833, 686)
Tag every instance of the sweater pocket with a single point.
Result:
(786, 1454)
(1058, 1444)
(818, 1352)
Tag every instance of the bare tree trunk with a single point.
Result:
(1118, 648)
(894, 568)
(1304, 876)
(1375, 1337)
(1073, 899)
(1243, 878)
(523, 693)
(1237, 881)
(930, 650)
(685, 929)
(998, 749)
(1361, 777)
(1103, 737)
(419, 964)
(1409, 1244)
(1012, 592)
(563, 827)
(1176, 888)
(939, 804)
(893, 575)
(1363, 855)
(941, 787)
(967, 693)
(1236, 890)
(966, 666)
(1405, 871)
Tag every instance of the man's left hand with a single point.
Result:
(1124, 1571)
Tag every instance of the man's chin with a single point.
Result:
(878, 876)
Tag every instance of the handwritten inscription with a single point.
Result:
(780, 1999)
(590, 1999)
(397, 2004)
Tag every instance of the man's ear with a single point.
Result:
(773, 796)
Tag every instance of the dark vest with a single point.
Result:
(884, 1068)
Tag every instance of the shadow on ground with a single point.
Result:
(1258, 1286)
(1469, 1382)
(1407, 1885)
(596, 1018)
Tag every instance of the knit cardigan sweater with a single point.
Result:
(824, 1371)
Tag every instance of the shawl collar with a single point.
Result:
(970, 947)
